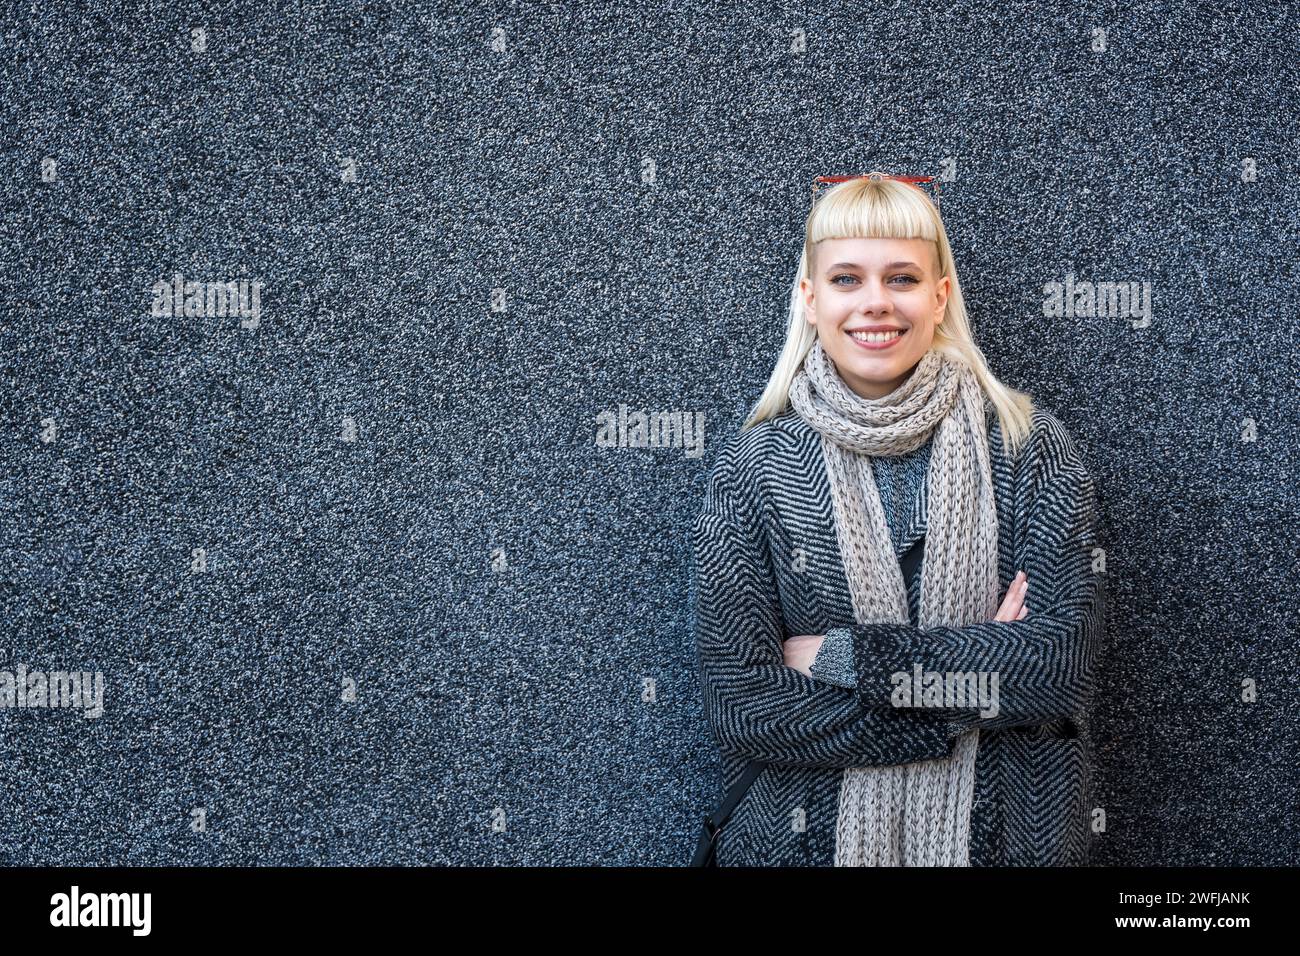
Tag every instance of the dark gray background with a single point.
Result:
(523, 170)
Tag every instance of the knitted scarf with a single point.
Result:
(915, 814)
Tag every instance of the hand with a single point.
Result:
(1013, 605)
(800, 651)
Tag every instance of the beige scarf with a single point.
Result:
(915, 814)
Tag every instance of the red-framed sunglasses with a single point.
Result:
(912, 180)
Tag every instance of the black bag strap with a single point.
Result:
(705, 848)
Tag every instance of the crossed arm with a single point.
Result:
(1045, 662)
(756, 706)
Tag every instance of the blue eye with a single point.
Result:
(912, 280)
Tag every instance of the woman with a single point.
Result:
(882, 431)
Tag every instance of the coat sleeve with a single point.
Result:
(1045, 663)
(756, 706)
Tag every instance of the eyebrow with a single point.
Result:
(902, 263)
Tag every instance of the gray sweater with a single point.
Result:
(899, 479)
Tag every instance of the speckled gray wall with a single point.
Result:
(361, 584)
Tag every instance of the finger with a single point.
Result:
(1023, 611)
(1012, 603)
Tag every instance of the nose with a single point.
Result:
(873, 297)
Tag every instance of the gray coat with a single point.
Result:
(767, 567)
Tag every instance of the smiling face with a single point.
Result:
(869, 284)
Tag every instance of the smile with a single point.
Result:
(876, 340)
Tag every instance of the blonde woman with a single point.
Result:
(935, 718)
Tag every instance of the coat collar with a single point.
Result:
(791, 424)
(917, 523)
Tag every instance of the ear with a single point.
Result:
(809, 303)
(944, 287)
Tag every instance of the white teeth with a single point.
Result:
(875, 336)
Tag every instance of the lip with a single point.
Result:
(877, 346)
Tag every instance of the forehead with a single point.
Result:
(875, 253)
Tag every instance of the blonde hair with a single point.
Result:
(888, 209)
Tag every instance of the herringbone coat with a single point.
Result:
(768, 567)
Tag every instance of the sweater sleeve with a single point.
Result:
(834, 661)
(1044, 663)
(756, 706)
